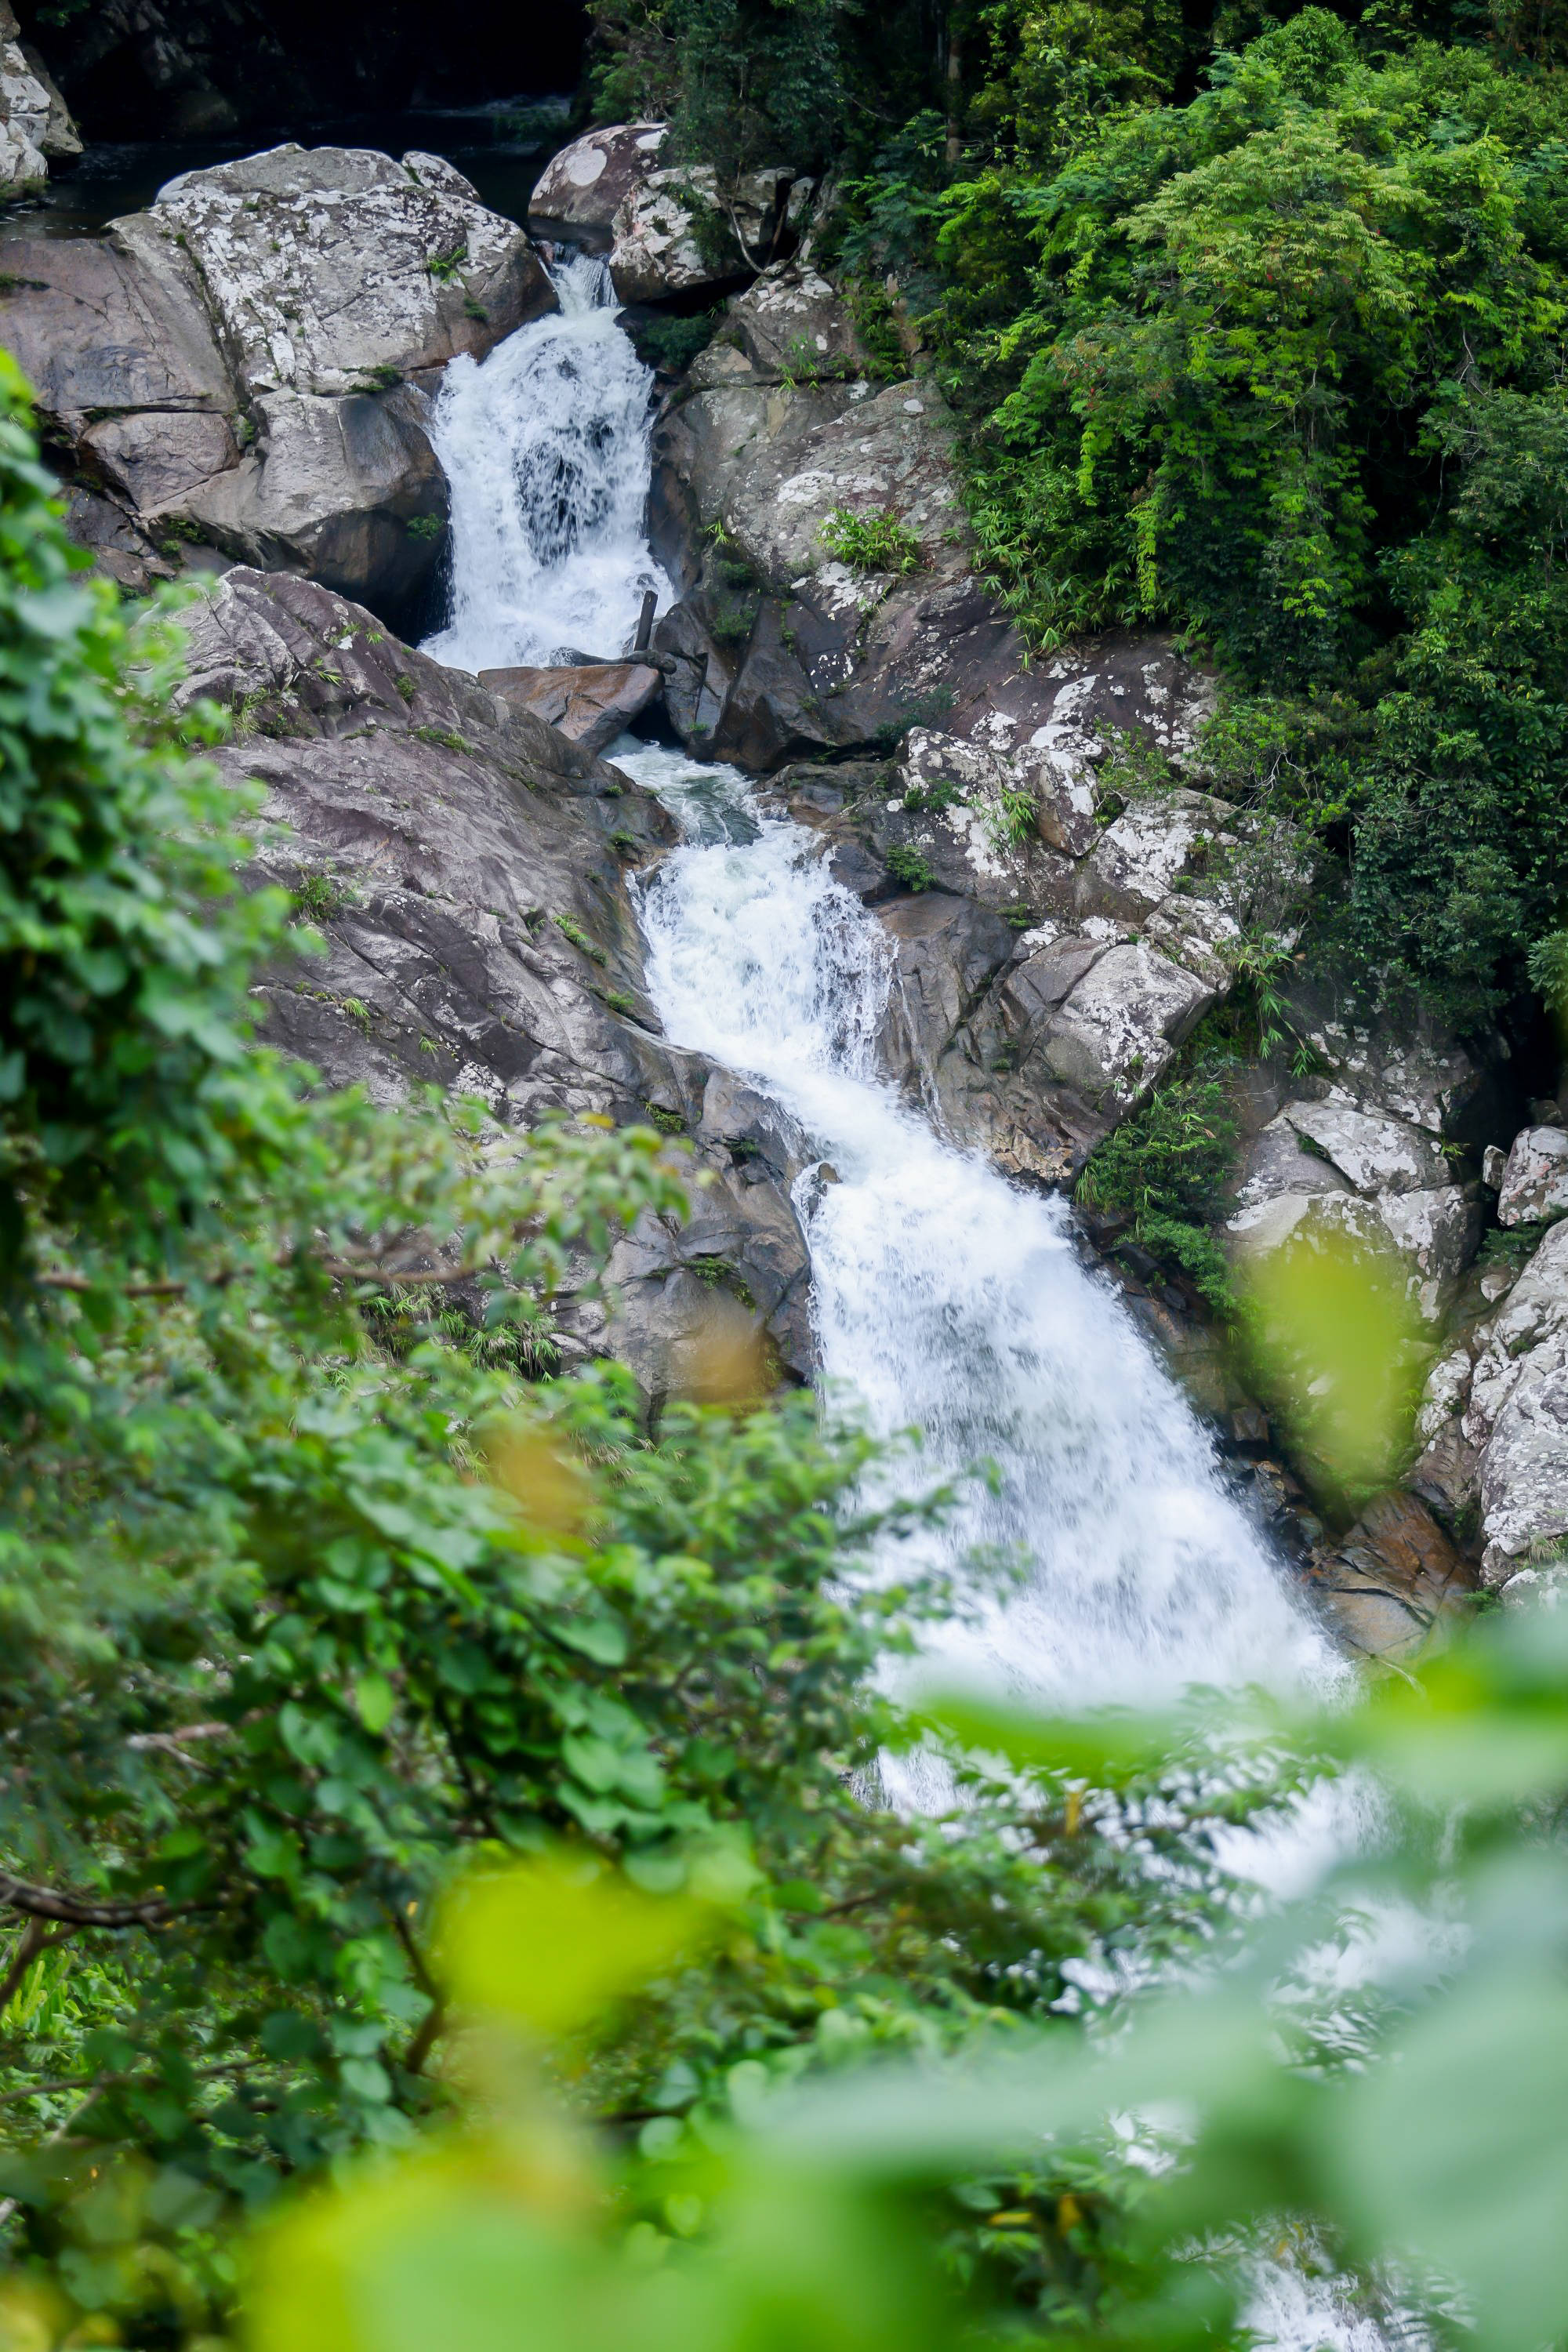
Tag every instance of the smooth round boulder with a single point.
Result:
(584, 186)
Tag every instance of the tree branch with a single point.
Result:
(83, 1911)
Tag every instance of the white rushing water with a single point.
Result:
(945, 1299)
(545, 447)
(951, 1302)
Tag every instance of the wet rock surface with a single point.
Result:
(469, 868)
(590, 705)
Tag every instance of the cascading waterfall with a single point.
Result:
(545, 447)
(946, 1300)
(949, 1301)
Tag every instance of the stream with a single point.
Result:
(945, 1300)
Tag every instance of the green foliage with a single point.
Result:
(672, 344)
(1169, 1166)
(427, 527)
(448, 266)
(873, 541)
(910, 866)
(1329, 2114)
(571, 928)
(125, 944)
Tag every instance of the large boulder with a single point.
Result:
(680, 233)
(1494, 1423)
(323, 266)
(583, 187)
(469, 869)
(35, 121)
(1534, 1184)
(248, 361)
(590, 703)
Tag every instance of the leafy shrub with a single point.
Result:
(1169, 1166)
(911, 866)
(876, 541)
(672, 344)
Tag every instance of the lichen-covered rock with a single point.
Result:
(583, 187)
(791, 329)
(1375, 1155)
(323, 266)
(1494, 1420)
(1119, 1030)
(1534, 1183)
(676, 232)
(1323, 1169)
(469, 865)
(1138, 859)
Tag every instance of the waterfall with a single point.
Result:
(949, 1301)
(945, 1299)
(545, 447)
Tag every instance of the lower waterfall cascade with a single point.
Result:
(945, 1300)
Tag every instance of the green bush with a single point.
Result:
(875, 541)
(1169, 1166)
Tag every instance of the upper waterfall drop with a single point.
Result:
(544, 446)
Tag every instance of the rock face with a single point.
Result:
(1395, 1584)
(590, 705)
(583, 187)
(35, 121)
(470, 868)
(675, 233)
(1367, 1152)
(1494, 1423)
(248, 361)
(1534, 1183)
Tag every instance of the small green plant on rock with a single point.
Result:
(444, 266)
(876, 541)
(569, 929)
(910, 866)
(427, 526)
(318, 896)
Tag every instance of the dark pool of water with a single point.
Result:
(501, 147)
